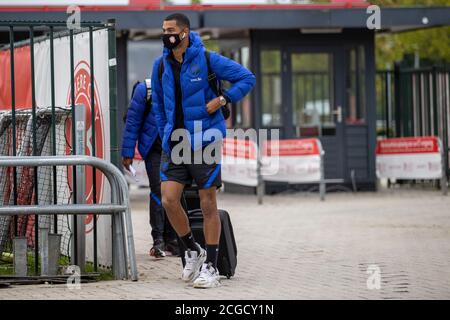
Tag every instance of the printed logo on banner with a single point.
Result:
(83, 96)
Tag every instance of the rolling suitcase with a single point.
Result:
(227, 257)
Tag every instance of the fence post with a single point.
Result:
(112, 62)
(118, 246)
(54, 251)
(388, 103)
(397, 97)
(444, 187)
(79, 251)
(322, 186)
(260, 187)
(43, 250)
(20, 256)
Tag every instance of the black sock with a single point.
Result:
(212, 252)
(189, 242)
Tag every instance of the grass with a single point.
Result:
(7, 267)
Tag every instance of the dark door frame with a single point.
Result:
(338, 98)
(348, 38)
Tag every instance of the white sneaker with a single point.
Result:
(208, 278)
(193, 263)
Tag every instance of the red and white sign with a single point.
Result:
(293, 160)
(62, 98)
(409, 158)
(239, 162)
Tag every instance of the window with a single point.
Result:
(312, 94)
(356, 87)
(271, 88)
(243, 108)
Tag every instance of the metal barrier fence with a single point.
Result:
(27, 119)
(123, 242)
(413, 103)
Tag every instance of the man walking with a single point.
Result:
(141, 126)
(184, 100)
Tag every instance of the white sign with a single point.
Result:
(409, 158)
(298, 160)
(239, 162)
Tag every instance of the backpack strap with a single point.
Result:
(148, 86)
(134, 88)
(216, 85)
(160, 69)
(212, 78)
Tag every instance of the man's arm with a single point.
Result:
(241, 78)
(134, 121)
(157, 100)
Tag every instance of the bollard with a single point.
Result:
(54, 252)
(43, 250)
(20, 256)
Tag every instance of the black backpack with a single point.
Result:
(214, 83)
(148, 99)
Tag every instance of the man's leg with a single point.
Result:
(168, 233)
(156, 209)
(194, 256)
(171, 195)
(211, 223)
(208, 178)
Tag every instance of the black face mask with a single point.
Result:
(171, 40)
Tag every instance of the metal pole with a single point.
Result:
(444, 187)
(74, 259)
(35, 173)
(388, 102)
(398, 102)
(79, 250)
(435, 103)
(20, 256)
(322, 186)
(52, 87)
(54, 251)
(113, 91)
(114, 150)
(44, 251)
(13, 110)
(94, 151)
(260, 186)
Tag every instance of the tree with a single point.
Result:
(432, 45)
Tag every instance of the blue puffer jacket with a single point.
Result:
(145, 133)
(196, 92)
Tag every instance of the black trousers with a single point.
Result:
(161, 227)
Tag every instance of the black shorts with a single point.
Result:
(205, 175)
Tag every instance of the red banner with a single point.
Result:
(291, 147)
(239, 148)
(407, 145)
(22, 78)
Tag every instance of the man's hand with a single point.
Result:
(213, 105)
(127, 162)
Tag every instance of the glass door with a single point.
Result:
(315, 88)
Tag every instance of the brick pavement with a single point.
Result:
(296, 247)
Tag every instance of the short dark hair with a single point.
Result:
(181, 19)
